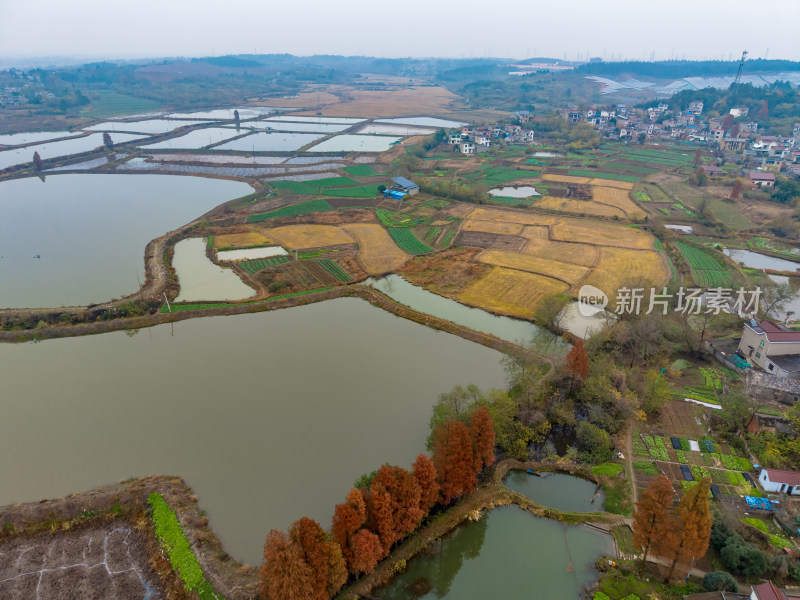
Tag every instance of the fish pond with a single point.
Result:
(201, 279)
(505, 328)
(355, 143)
(61, 148)
(268, 416)
(270, 142)
(90, 232)
(424, 122)
(755, 260)
(557, 490)
(508, 553)
(150, 126)
(32, 137)
(199, 138)
(523, 191)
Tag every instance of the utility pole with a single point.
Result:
(738, 79)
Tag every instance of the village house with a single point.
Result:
(695, 107)
(523, 116)
(776, 480)
(772, 347)
(467, 148)
(761, 179)
(712, 171)
(734, 144)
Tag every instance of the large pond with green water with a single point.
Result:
(506, 554)
(557, 490)
(268, 416)
(80, 239)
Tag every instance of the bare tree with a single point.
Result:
(775, 298)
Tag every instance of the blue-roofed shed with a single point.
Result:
(394, 194)
(405, 185)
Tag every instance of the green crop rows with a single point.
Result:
(297, 187)
(642, 196)
(289, 211)
(331, 267)
(359, 170)
(659, 453)
(398, 219)
(432, 233)
(359, 191)
(407, 241)
(629, 167)
(175, 544)
(601, 175)
(682, 457)
(448, 237)
(333, 182)
(647, 468)
(706, 270)
(253, 266)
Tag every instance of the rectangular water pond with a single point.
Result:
(355, 143)
(290, 126)
(304, 119)
(224, 114)
(508, 553)
(61, 148)
(250, 253)
(271, 142)
(151, 126)
(32, 137)
(200, 279)
(424, 122)
(199, 138)
(557, 490)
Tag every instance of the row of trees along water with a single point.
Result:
(308, 563)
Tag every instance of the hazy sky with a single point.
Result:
(612, 29)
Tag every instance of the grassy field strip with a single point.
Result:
(293, 210)
(331, 267)
(601, 175)
(407, 241)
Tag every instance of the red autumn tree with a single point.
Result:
(381, 519)
(454, 459)
(323, 556)
(425, 474)
(367, 551)
(285, 575)
(688, 538)
(347, 520)
(577, 362)
(736, 191)
(652, 517)
(481, 428)
(404, 495)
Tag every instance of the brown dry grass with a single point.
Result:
(511, 292)
(395, 102)
(577, 254)
(568, 205)
(536, 232)
(447, 272)
(240, 240)
(510, 216)
(377, 252)
(618, 266)
(556, 269)
(601, 234)
(492, 227)
(300, 237)
(617, 198)
(623, 185)
(565, 178)
(304, 99)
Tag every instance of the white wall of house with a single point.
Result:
(777, 486)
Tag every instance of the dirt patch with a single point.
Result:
(288, 278)
(476, 239)
(100, 561)
(511, 243)
(681, 418)
(108, 529)
(446, 273)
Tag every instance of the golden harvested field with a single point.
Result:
(377, 252)
(623, 185)
(569, 205)
(536, 232)
(556, 269)
(460, 210)
(240, 240)
(618, 266)
(565, 178)
(394, 102)
(511, 292)
(491, 227)
(577, 254)
(617, 198)
(601, 234)
(316, 97)
(510, 216)
(300, 237)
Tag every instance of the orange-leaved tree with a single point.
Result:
(481, 428)
(285, 575)
(577, 362)
(348, 518)
(425, 474)
(653, 515)
(404, 497)
(322, 555)
(367, 551)
(454, 459)
(691, 531)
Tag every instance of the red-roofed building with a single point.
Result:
(772, 347)
(767, 591)
(761, 178)
(776, 480)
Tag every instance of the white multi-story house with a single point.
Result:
(467, 148)
(772, 347)
(776, 480)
